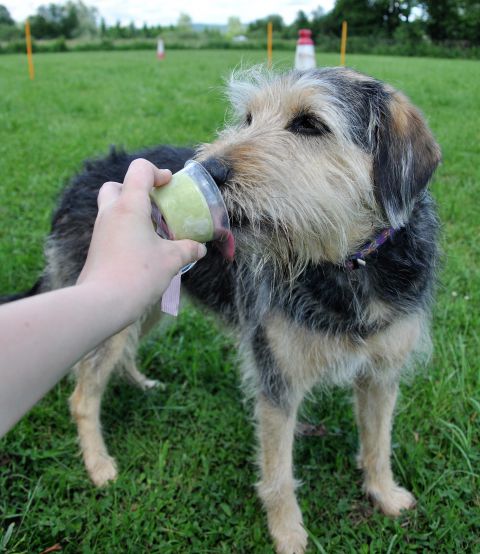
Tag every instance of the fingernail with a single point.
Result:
(202, 250)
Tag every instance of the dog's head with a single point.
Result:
(316, 161)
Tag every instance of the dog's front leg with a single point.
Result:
(93, 373)
(276, 427)
(375, 403)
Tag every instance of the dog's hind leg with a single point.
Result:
(92, 374)
(374, 406)
(138, 378)
(150, 319)
(134, 375)
(276, 427)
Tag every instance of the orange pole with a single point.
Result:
(343, 47)
(28, 38)
(269, 43)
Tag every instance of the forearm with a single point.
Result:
(128, 268)
(42, 337)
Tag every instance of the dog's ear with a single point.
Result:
(405, 156)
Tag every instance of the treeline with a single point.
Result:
(435, 20)
(412, 27)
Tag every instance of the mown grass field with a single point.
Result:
(186, 453)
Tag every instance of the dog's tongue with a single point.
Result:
(227, 246)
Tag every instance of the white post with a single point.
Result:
(160, 49)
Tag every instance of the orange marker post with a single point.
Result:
(28, 38)
(269, 43)
(343, 47)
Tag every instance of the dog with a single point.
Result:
(324, 174)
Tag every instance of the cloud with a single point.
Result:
(154, 12)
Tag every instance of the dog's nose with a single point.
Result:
(218, 169)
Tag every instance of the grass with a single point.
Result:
(186, 454)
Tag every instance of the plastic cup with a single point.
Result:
(191, 206)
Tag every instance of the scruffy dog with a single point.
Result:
(324, 174)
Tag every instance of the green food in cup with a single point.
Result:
(184, 209)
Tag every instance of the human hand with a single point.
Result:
(126, 258)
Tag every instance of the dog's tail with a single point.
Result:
(19, 295)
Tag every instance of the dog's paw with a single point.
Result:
(393, 500)
(286, 528)
(136, 377)
(290, 540)
(149, 384)
(359, 461)
(102, 470)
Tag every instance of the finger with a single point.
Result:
(108, 193)
(142, 175)
(188, 251)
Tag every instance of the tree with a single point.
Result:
(234, 26)
(86, 17)
(70, 20)
(5, 17)
(318, 13)
(184, 23)
(47, 23)
(471, 21)
(358, 13)
(390, 14)
(453, 19)
(261, 24)
(8, 29)
(301, 21)
(364, 17)
(131, 30)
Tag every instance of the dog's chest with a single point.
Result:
(310, 356)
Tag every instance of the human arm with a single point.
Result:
(128, 268)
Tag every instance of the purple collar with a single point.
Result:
(358, 259)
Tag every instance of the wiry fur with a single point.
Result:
(313, 166)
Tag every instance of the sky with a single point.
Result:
(154, 12)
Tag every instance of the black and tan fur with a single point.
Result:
(314, 165)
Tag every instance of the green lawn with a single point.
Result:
(186, 453)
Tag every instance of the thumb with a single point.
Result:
(189, 251)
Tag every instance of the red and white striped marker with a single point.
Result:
(160, 49)
(305, 53)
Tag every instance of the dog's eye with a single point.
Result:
(248, 119)
(308, 124)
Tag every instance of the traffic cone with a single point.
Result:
(305, 53)
(160, 49)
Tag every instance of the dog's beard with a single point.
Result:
(285, 232)
(262, 240)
